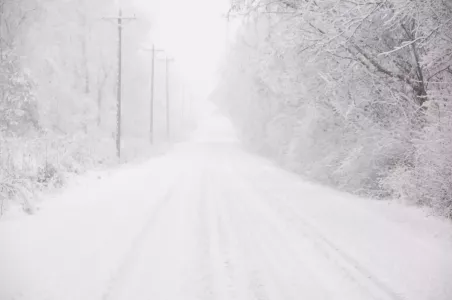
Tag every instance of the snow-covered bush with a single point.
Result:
(428, 181)
(18, 106)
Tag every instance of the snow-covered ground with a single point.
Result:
(210, 221)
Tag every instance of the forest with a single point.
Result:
(351, 94)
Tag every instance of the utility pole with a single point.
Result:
(119, 20)
(184, 106)
(151, 119)
(168, 133)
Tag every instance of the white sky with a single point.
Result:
(194, 32)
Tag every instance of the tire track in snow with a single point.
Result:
(204, 273)
(253, 268)
(252, 247)
(236, 272)
(139, 239)
(279, 272)
(216, 259)
(233, 260)
(356, 272)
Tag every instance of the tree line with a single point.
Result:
(58, 83)
(353, 94)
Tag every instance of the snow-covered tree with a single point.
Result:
(58, 76)
(351, 93)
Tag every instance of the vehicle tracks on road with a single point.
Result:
(351, 268)
(139, 239)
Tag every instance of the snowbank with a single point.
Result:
(95, 220)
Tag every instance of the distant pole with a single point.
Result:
(226, 42)
(119, 89)
(119, 20)
(168, 123)
(183, 104)
(167, 102)
(151, 119)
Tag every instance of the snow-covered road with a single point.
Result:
(211, 221)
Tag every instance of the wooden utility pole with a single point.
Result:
(119, 88)
(168, 132)
(151, 119)
(119, 20)
(184, 113)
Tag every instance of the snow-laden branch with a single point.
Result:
(404, 45)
